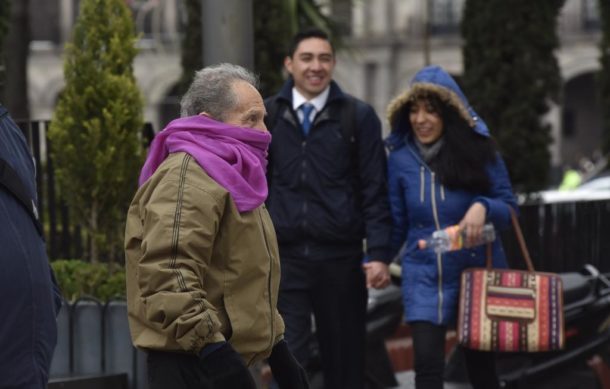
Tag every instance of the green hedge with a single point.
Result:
(77, 278)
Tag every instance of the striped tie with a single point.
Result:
(306, 108)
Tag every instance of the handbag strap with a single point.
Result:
(524, 251)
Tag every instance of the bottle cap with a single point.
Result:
(421, 244)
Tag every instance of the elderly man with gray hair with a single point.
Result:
(201, 252)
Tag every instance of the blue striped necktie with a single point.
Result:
(306, 108)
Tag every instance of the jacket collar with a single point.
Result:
(334, 94)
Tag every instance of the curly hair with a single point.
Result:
(464, 155)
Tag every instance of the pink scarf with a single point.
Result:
(234, 157)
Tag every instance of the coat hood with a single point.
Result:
(436, 80)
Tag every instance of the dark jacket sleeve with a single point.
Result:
(400, 222)
(372, 165)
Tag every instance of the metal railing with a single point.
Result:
(563, 236)
(64, 237)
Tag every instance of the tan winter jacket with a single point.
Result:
(198, 271)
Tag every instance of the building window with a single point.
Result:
(445, 16)
(44, 22)
(568, 127)
(158, 21)
(342, 14)
(590, 15)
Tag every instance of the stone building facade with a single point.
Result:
(388, 41)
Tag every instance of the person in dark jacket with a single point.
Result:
(30, 297)
(327, 193)
(443, 170)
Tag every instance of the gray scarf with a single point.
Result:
(429, 151)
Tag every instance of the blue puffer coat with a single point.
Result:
(420, 204)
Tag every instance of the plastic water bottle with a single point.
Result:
(453, 238)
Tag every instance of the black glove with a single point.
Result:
(224, 368)
(288, 373)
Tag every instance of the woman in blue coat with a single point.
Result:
(443, 170)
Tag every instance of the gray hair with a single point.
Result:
(211, 90)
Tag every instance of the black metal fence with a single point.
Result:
(563, 236)
(64, 236)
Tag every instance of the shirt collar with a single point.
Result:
(318, 102)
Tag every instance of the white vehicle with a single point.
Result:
(595, 189)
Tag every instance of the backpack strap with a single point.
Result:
(348, 127)
(349, 132)
(9, 179)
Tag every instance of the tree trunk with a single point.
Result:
(94, 233)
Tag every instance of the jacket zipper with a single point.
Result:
(439, 263)
(439, 258)
(422, 183)
(303, 179)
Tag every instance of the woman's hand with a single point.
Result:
(472, 223)
(377, 274)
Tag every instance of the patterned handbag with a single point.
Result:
(511, 310)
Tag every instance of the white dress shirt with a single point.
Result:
(318, 102)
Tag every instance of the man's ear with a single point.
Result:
(288, 64)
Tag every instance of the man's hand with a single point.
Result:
(377, 274)
(288, 373)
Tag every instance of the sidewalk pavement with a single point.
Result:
(406, 380)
